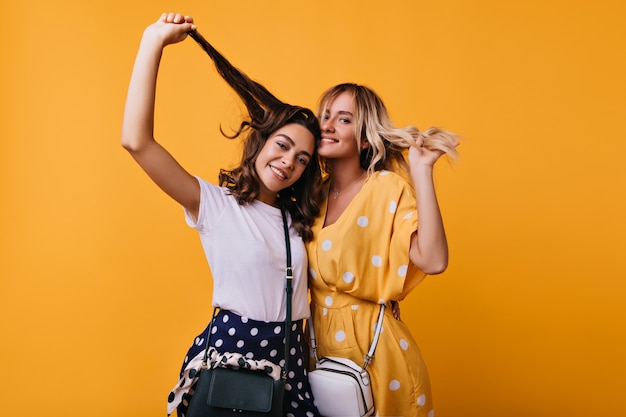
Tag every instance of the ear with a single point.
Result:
(364, 144)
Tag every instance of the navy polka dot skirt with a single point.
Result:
(255, 340)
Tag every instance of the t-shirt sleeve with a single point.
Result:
(212, 204)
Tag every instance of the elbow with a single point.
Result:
(432, 266)
(130, 143)
(431, 262)
(127, 143)
(435, 268)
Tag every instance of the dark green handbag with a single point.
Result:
(226, 392)
(229, 392)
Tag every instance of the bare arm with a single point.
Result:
(138, 125)
(429, 246)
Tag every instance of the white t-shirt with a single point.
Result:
(245, 248)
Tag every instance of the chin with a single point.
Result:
(323, 154)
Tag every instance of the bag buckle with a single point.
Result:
(365, 377)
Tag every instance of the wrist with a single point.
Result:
(421, 170)
(422, 177)
(152, 39)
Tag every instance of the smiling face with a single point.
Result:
(282, 160)
(338, 129)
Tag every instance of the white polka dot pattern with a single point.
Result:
(364, 256)
(252, 341)
(340, 336)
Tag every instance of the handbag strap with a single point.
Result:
(370, 354)
(289, 294)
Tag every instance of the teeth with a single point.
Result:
(277, 172)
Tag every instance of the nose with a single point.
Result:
(288, 161)
(327, 125)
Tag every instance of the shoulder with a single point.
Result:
(391, 188)
(206, 186)
(212, 195)
(389, 179)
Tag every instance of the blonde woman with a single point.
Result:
(367, 248)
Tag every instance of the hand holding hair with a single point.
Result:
(431, 144)
(171, 27)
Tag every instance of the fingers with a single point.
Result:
(423, 150)
(395, 309)
(179, 19)
(419, 141)
(176, 18)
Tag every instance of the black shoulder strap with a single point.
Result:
(289, 291)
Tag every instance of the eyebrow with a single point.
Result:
(293, 143)
(339, 112)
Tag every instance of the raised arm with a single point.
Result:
(138, 125)
(429, 246)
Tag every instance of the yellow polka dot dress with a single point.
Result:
(357, 263)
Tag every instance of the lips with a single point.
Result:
(278, 172)
(329, 140)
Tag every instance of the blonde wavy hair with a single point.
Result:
(387, 143)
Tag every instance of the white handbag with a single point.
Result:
(342, 388)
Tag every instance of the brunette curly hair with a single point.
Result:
(268, 114)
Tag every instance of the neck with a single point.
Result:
(344, 173)
(268, 198)
(346, 182)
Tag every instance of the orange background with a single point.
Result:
(103, 286)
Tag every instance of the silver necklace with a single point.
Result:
(336, 193)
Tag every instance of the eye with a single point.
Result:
(281, 145)
(345, 120)
(303, 161)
